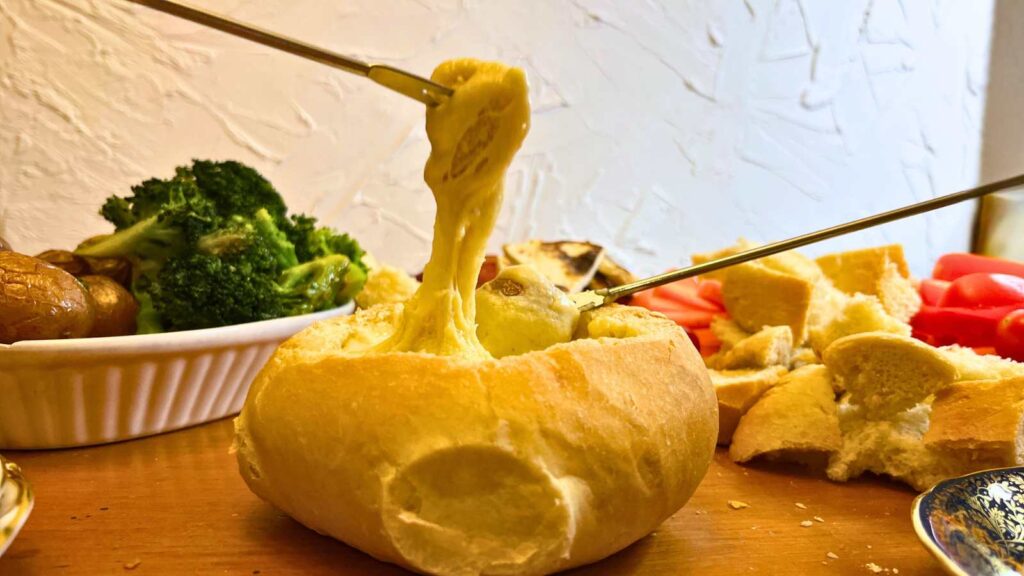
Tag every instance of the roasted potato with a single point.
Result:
(67, 261)
(39, 301)
(115, 307)
(117, 269)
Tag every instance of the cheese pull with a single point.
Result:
(473, 137)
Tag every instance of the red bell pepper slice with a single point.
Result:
(689, 318)
(952, 266)
(932, 291)
(686, 296)
(1010, 336)
(711, 290)
(984, 290)
(972, 327)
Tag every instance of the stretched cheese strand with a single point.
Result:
(473, 136)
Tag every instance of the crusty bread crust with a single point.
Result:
(980, 419)
(794, 420)
(525, 465)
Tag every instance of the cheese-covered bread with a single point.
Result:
(397, 431)
(462, 467)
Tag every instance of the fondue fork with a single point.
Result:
(594, 298)
(405, 83)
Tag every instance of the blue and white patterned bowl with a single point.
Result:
(974, 524)
(15, 502)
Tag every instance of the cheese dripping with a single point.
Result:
(473, 137)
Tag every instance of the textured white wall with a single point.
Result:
(660, 128)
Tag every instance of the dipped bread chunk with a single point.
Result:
(397, 431)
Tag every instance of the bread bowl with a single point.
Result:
(399, 432)
(524, 465)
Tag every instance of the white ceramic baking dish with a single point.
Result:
(60, 393)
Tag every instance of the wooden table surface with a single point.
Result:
(175, 504)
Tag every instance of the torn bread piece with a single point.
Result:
(795, 420)
(980, 423)
(892, 447)
(727, 331)
(803, 356)
(856, 271)
(737, 391)
(880, 272)
(569, 265)
(772, 346)
(888, 373)
(386, 285)
(860, 313)
(974, 366)
(757, 296)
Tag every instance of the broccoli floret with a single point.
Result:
(316, 285)
(258, 235)
(203, 291)
(312, 242)
(118, 211)
(237, 189)
(213, 246)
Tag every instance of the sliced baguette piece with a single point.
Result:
(757, 296)
(804, 356)
(898, 294)
(881, 271)
(790, 263)
(980, 422)
(741, 245)
(856, 271)
(974, 366)
(737, 391)
(888, 373)
(727, 331)
(772, 346)
(795, 420)
(860, 313)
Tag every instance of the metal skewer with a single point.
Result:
(405, 83)
(594, 298)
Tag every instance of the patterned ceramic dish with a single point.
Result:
(15, 502)
(974, 524)
(59, 393)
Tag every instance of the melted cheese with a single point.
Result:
(473, 136)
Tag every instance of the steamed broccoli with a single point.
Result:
(214, 246)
